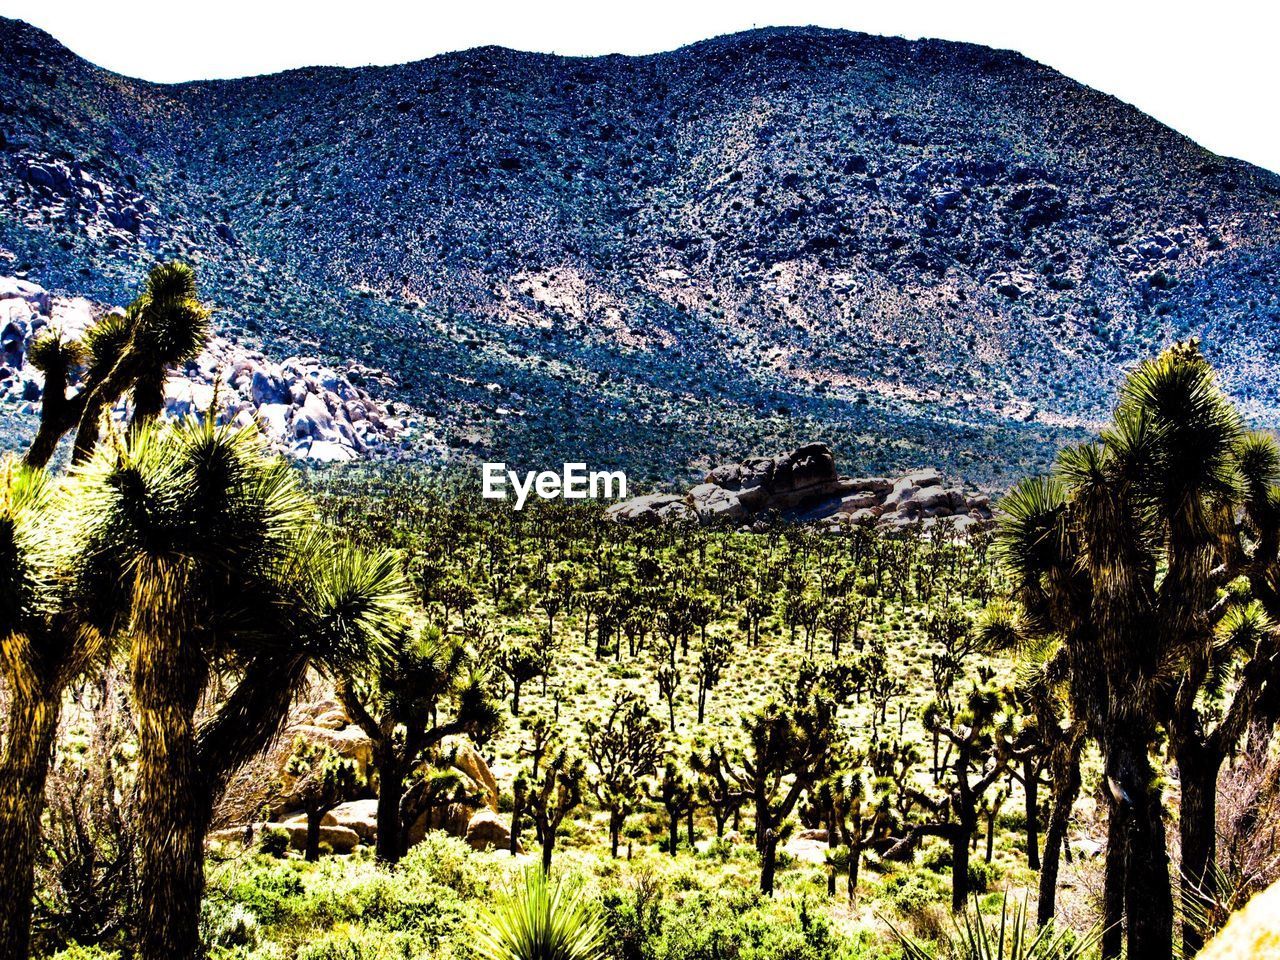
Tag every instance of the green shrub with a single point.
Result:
(274, 841)
(910, 892)
(1010, 935)
(76, 952)
(538, 919)
(981, 875)
(228, 925)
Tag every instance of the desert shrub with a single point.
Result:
(981, 875)
(265, 889)
(719, 924)
(719, 849)
(225, 924)
(937, 857)
(274, 842)
(347, 908)
(910, 892)
(358, 944)
(541, 919)
(75, 952)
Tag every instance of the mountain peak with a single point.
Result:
(919, 251)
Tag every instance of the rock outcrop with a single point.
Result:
(804, 486)
(263, 796)
(488, 831)
(303, 407)
(1252, 933)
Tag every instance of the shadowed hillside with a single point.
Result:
(919, 252)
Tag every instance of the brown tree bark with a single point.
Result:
(1066, 787)
(1197, 830)
(1113, 888)
(168, 678)
(1148, 894)
(24, 767)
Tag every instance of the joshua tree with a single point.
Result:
(44, 650)
(123, 353)
(1124, 557)
(543, 732)
(323, 780)
(625, 750)
(717, 791)
(519, 801)
(980, 738)
(207, 550)
(47, 642)
(676, 796)
(711, 661)
(553, 796)
(519, 663)
(668, 678)
(407, 700)
(787, 744)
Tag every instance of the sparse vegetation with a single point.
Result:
(753, 714)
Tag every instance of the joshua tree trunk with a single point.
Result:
(831, 847)
(855, 858)
(390, 793)
(1113, 888)
(1148, 895)
(24, 766)
(1066, 786)
(1031, 792)
(548, 848)
(616, 819)
(517, 809)
(1197, 828)
(960, 836)
(768, 862)
(311, 850)
(168, 677)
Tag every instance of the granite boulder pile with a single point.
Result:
(305, 408)
(804, 486)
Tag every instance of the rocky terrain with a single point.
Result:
(263, 796)
(303, 407)
(803, 486)
(914, 251)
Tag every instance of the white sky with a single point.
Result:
(1211, 70)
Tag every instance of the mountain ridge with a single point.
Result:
(666, 261)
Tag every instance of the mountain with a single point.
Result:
(917, 252)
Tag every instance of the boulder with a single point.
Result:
(340, 839)
(651, 509)
(807, 850)
(359, 816)
(1252, 933)
(466, 758)
(803, 486)
(711, 502)
(487, 831)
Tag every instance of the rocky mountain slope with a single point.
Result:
(917, 251)
(302, 407)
